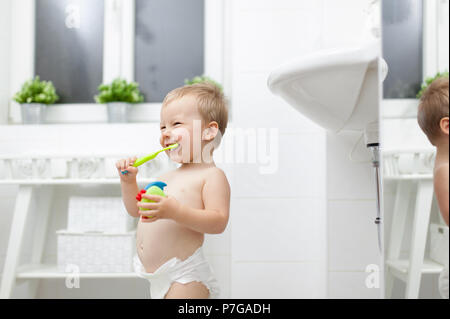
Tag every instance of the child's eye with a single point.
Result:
(162, 128)
(176, 123)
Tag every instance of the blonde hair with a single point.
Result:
(212, 104)
(433, 107)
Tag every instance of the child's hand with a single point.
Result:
(164, 207)
(126, 165)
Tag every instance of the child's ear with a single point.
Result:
(444, 125)
(210, 132)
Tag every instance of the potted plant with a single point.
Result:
(118, 95)
(430, 80)
(33, 98)
(202, 79)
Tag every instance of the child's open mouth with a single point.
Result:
(173, 150)
(170, 144)
(167, 144)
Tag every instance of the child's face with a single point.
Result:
(178, 120)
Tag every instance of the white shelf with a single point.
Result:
(104, 181)
(51, 272)
(401, 267)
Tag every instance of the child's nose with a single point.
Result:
(166, 133)
(169, 136)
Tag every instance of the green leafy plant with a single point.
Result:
(119, 91)
(36, 91)
(202, 79)
(430, 80)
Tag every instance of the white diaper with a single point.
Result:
(443, 283)
(194, 268)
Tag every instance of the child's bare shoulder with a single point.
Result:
(216, 173)
(441, 177)
(441, 170)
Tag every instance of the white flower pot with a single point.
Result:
(33, 113)
(118, 112)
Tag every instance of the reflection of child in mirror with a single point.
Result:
(433, 118)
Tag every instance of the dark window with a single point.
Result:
(69, 47)
(402, 47)
(169, 45)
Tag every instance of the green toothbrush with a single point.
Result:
(149, 157)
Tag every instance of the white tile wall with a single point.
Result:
(252, 109)
(269, 37)
(277, 280)
(218, 245)
(325, 24)
(5, 37)
(352, 233)
(350, 285)
(343, 22)
(278, 230)
(351, 247)
(299, 157)
(348, 179)
(278, 220)
(351, 186)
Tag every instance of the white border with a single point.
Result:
(214, 39)
(111, 41)
(118, 42)
(435, 40)
(443, 35)
(22, 50)
(430, 38)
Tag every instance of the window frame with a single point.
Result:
(432, 28)
(118, 46)
(432, 36)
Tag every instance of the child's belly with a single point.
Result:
(164, 239)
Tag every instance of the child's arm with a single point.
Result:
(211, 220)
(128, 185)
(129, 192)
(441, 189)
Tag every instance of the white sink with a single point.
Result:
(337, 89)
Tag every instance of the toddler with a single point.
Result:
(170, 234)
(433, 119)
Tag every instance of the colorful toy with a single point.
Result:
(154, 188)
(149, 157)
